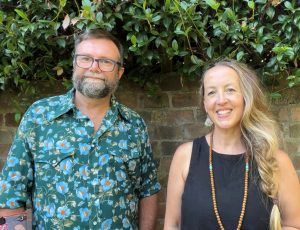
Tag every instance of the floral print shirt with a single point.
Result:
(75, 178)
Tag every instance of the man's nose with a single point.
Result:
(95, 66)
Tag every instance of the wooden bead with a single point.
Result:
(213, 192)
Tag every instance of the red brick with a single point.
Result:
(283, 114)
(1, 120)
(160, 100)
(180, 117)
(193, 131)
(296, 162)
(1, 163)
(162, 195)
(161, 210)
(171, 82)
(185, 100)
(295, 131)
(200, 115)
(169, 147)
(167, 132)
(159, 224)
(155, 148)
(146, 115)
(292, 147)
(6, 136)
(129, 99)
(10, 120)
(6, 102)
(4, 148)
(295, 114)
(165, 163)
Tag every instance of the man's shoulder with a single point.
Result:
(48, 101)
(50, 107)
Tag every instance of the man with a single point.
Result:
(83, 158)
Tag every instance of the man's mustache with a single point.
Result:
(95, 75)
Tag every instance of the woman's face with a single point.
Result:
(223, 99)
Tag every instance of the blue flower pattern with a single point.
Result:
(82, 179)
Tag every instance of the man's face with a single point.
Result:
(91, 81)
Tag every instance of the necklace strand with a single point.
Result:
(213, 189)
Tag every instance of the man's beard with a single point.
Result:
(94, 89)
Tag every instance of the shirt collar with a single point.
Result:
(62, 104)
(122, 111)
(66, 103)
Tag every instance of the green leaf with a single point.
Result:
(157, 42)
(271, 12)
(167, 4)
(210, 51)
(275, 95)
(61, 42)
(231, 15)
(291, 84)
(156, 18)
(86, 3)
(167, 21)
(213, 4)
(175, 45)
(99, 17)
(184, 5)
(133, 39)
(251, 4)
(240, 55)
(62, 3)
(288, 5)
(18, 117)
(195, 60)
(259, 48)
(22, 14)
(291, 77)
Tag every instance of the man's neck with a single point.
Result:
(94, 108)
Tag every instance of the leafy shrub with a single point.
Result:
(159, 36)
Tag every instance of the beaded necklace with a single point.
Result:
(213, 189)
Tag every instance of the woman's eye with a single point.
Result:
(230, 90)
(210, 93)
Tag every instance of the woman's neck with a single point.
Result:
(227, 142)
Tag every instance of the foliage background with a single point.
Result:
(159, 36)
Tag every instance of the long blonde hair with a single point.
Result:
(259, 132)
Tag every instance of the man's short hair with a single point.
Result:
(100, 34)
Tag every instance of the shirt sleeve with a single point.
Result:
(149, 182)
(17, 173)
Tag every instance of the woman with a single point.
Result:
(235, 177)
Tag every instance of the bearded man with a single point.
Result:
(83, 160)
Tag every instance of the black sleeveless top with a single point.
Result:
(229, 170)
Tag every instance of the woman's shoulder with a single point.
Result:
(289, 190)
(184, 150)
(283, 159)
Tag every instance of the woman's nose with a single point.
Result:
(221, 98)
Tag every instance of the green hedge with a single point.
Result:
(36, 37)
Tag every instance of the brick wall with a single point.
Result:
(173, 117)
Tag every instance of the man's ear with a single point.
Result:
(120, 72)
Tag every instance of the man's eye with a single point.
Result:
(106, 61)
(85, 59)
